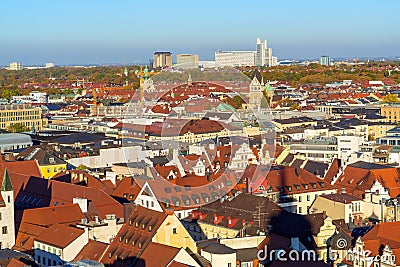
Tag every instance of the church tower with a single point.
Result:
(7, 234)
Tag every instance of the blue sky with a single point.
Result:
(129, 31)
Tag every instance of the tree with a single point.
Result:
(17, 128)
(82, 167)
(390, 98)
(238, 100)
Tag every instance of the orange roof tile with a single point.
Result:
(59, 235)
(93, 250)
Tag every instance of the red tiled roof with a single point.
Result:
(35, 221)
(134, 236)
(93, 250)
(357, 180)
(291, 180)
(55, 193)
(157, 255)
(59, 235)
(127, 188)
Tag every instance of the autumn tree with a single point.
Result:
(390, 98)
(17, 128)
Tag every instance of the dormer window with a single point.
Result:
(305, 186)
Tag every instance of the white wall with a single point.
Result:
(7, 220)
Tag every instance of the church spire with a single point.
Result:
(6, 184)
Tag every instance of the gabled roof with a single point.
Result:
(93, 250)
(134, 236)
(237, 212)
(39, 192)
(59, 235)
(42, 155)
(157, 255)
(35, 221)
(256, 74)
(360, 176)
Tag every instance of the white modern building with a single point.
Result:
(264, 54)
(261, 57)
(15, 66)
(235, 58)
(325, 148)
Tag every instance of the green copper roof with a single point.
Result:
(268, 87)
(225, 107)
(6, 185)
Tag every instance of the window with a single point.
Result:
(299, 198)
(0, 215)
(4, 230)
(300, 210)
(9, 199)
(174, 231)
(308, 197)
(229, 264)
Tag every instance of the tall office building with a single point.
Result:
(187, 60)
(261, 57)
(264, 54)
(15, 66)
(325, 61)
(162, 59)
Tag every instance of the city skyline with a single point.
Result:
(96, 32)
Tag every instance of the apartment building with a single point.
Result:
(28, 116)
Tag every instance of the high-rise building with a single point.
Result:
(162, 59)
(261, 57)
(15, 66)
(264, 54)
(325, 61)
(235, 58)
(49, 65)
(187, 60)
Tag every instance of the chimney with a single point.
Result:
(82, 202)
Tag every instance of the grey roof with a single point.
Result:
(315, 167)
(219, 115)
(79, 138)
(370, 166)
(257, 74)
(14, 138)
(9, 253)
(294, 120)
(246, 254)
(213, 246)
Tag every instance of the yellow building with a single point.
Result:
(49, 164)
(391, 112)
(379, 129)
(24, 114)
